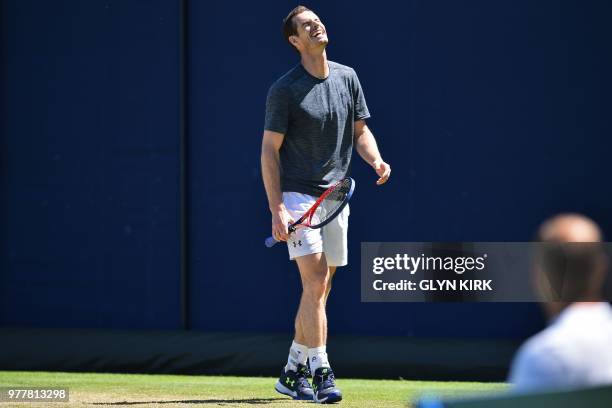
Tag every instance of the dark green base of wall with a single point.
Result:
(187, 352)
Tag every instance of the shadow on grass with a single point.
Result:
(253, 401)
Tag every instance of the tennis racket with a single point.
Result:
(326, 208)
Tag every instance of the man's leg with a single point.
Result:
(332, 272)
(300, 336)
(310, 327)
(311, 320)
(335, 248)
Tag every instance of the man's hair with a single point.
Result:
(571, 271)
(289, 26)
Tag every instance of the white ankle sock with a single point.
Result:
(298, 354)
(318, 358)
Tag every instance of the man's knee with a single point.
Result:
(315, 286)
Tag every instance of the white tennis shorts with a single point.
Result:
(331, 239)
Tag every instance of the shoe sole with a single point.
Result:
(281, 389)
(330, 399)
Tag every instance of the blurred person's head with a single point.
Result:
(304, 31)
(570, 263)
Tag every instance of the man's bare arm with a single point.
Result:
(270, 170)
(366, 146)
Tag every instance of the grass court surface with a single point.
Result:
(136, 390)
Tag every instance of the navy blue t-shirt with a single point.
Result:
(317, 117)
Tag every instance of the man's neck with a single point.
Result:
(316, 64)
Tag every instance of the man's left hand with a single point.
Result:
(383, 170)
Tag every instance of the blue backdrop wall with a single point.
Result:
(90, 171)
(494, 115)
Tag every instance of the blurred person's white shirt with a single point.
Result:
(574, 351)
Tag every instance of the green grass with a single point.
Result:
(136, 390)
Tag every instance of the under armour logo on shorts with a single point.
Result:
(298, 243)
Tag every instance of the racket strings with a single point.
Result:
(331, 203)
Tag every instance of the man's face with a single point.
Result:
(311, 33)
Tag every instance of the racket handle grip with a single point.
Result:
(270, 242)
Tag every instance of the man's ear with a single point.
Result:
(294, 40)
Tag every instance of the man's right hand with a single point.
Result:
(280, 223)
